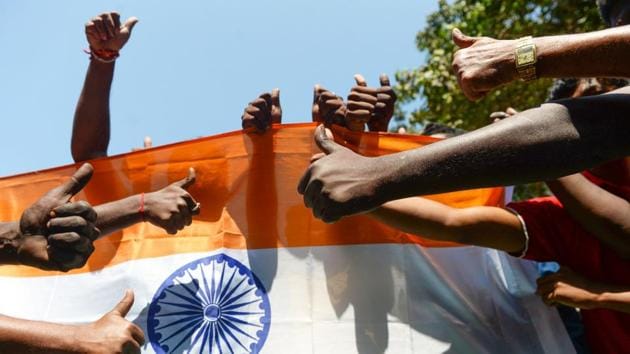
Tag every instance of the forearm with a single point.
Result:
(91, 129)
(603, 214)
(23, 336)
(9, 234)
(618, 300)
(118, 215)
(479, 226)
(553, 140)
(603, 53)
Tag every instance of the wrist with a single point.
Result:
(74, 340)
(103, 55)
(525, 58)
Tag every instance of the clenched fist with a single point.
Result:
(483, 64)
(104, 32)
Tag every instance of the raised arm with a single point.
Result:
(91, 130)
(170, 208)
(110, 334)
(554, 140)
(477, 226)
(484, 63)
(603, 214)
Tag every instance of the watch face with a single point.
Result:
(525, 55)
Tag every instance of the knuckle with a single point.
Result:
(84, 205)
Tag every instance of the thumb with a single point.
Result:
(316, 91)
(384, 80)
(462, 40)
(76, 183)
(276, 110)
(123, 307)
(130, 23)
(315, 107)
(275, 97)
(188, 181)
(324, 141)
(360, 80)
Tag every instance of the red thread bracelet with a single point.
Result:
(141, 207)
(103, 55)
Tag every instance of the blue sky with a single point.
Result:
(190, 66)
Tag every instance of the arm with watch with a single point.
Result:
(90, 131)
(556, 139)
(484, 63)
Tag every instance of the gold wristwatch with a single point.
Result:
(525, 55)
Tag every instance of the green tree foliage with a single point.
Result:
(432, 88)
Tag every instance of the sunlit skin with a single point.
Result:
(553, 140)
(56, 235)
(371, 106)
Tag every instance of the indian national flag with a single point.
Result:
(255, 272)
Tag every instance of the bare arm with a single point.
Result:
(603, 214)
(477, 226)
(90, 131)
(118, 215)
(91, 128)
(170, 208)
(483, 64)
(571, 289)
(23, 336)
(109, 334)
(604, 53)
(614, 298)
(543, 143)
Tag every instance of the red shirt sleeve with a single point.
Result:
(550, 230)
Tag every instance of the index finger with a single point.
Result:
(75, 184)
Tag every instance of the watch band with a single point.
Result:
(526, 58)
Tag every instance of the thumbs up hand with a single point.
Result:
(55, 234)
(483, 64)
(172, 208)
(112, 333)
(263, 111)
(328, 108)
(105, 31)
(339, 182)
(371, 105)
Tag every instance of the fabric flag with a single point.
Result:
(255, 272)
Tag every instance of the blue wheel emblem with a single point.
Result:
(211, 305)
